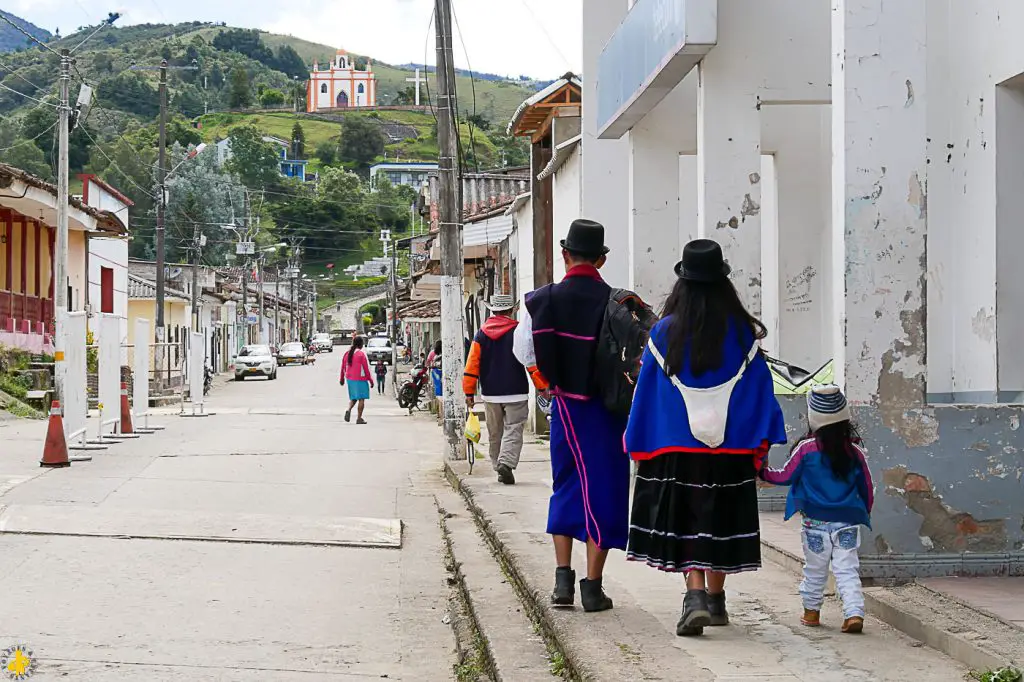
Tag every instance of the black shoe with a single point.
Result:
(593, 597)
(565, 587)
(716, 607)
(695, 616)
(505, 475)
(360, 421)
(348, 415)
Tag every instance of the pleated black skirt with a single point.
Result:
(696, 511)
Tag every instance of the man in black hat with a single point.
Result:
(557, 342)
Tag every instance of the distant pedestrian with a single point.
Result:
(831, 488)
(556, 341)
(435, 355)
(355, 369)
(704, 415)
(381, 370)
(504, 386)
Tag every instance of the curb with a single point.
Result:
(952, 644)
(536, 608)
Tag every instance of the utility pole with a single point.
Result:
(60, 269)
(452, 265)
(394, 315)
(259, 295)
(277, 307)
(245, 278)
(197, 258)
(161, 210)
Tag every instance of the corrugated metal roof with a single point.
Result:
(487, 232)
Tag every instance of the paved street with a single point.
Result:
(277, 464)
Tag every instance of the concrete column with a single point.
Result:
(879, 154)
(729, 169)
(605, 162)
(653, 215)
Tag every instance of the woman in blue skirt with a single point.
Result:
(355, 369)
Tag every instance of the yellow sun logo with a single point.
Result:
(17, 663)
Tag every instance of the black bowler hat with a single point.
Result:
(702, 262)
(585, 238)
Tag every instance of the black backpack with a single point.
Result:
(621, 343)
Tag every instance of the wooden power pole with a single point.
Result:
(450, 212)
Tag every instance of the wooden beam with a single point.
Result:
(39, 259)
(8, 220)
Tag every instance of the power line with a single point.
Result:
(115, 165)
(13, 72)
(21, 142)
(28, 97)
(544, 30)
(28, 35)
(472, 83)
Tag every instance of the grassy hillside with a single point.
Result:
(12, 40)
(421, 148)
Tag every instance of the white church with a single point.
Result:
(341, 86)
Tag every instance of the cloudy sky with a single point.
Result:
(538, 38)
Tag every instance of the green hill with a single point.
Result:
(12, 40)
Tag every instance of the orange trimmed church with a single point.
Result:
(341, 86)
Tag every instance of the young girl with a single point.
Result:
(381, 370)
(833, 492)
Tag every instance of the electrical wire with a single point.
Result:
(29, 97)
(544, 30)
(28, 35)
(13, 72)
(115, 166)
(21, 142)
(426, 76)
(472, 83)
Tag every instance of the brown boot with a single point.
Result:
(811, 619)
(853, 626)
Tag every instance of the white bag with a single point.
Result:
(706, 408)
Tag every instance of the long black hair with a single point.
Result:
(357, 343)
(701, 313)
(835, 441)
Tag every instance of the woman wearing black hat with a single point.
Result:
(704, 415)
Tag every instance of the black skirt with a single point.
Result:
(696, 511)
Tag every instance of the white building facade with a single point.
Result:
(860, 162)
(340, 85)
(108, 257)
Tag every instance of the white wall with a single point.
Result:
(567, 203)
(110, 253)
(605, 162)
(972, 48)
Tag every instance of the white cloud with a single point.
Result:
(534, 37)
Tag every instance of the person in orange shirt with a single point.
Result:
(504, 387)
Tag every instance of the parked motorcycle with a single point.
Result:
(413, 394)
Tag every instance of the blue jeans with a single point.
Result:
(835, 544)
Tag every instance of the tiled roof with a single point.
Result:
(421, 310)
(143, 289)
(106, 221)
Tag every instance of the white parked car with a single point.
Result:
(255, 361)
(322, 342)
(293, 353)
(379, 348)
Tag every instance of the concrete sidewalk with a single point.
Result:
(637, 639)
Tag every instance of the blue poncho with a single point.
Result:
(658, 421)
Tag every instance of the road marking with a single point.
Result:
(160, 524)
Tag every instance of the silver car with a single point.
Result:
(293, 353)
(255, 361)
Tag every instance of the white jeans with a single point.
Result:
(834, 543)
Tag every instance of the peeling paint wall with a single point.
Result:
(961, 492)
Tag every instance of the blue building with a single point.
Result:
(289, 168)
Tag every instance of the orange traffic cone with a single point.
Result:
(55, 449)
(126, 411)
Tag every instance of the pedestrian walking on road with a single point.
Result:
(556, 341)
(504, 386)
(704, 415)
(831, 488)
(381, 370)
(355, 369)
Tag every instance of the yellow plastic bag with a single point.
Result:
(473, 428)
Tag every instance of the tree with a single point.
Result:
(20, 151)
(479, 121)
(290, 63)
(361, 141)
(201, 193)
(327, 152)
(406, 97)
(391, 203)
(128, 163)
(129, 91)
(254, 161)
(40, 124)
(241, 92)
(189, 101)
(298, 141)
(514, 151)
(217, 76)
(272, 97)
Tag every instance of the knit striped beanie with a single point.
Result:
(826, 405)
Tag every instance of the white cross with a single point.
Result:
(417, 80)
